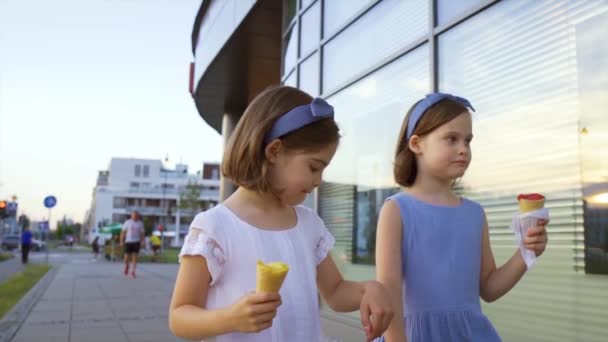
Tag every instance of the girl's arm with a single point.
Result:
(389, 265)
(345, 296)
(496, 282)
(189, 319)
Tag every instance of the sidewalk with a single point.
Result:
(93, 301)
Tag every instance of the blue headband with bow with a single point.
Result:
(426, 103)
(299, 117)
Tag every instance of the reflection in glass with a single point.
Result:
(309, 75)
(306, 3)
(337, 12)
(311, 29)
(592, 61)
(450, 9)
(289, 11)
(290, 50)
(386, 28)
(360, 177)
(292, 79)
(536, 72)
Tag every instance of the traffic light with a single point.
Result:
(3, 209)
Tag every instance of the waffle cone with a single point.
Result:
(530, 204)
(270, 276)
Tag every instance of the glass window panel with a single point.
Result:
(311, 29)
(292, 79)
(338, 12)
(450, 9)
(360, 177)
(537, 73)
(289, 11)
(290, 50)
(309, 75)
(592, 62)
(386, 28)
(306, 3)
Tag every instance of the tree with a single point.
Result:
(189, 198)
(64, 229)
(148, 225)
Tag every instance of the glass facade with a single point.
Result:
(290, 50)
(447, 10)
(292, 79)
(530, 73)
(369, 114)
(311, 29)
(382, 31)
(537, 74)
(309, 75)
(339, 12)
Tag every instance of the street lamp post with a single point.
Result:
(164, 206)
(177, 221)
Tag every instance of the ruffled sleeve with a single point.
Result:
(324, 242)
(203, 240)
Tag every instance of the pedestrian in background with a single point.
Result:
(26, 243)
(155, 242)
(95, 246)
(132, 237)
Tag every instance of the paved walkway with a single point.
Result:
(90, 301)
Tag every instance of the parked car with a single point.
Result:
(10, 241)
(38, 245)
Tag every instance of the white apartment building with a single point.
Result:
(156, 192)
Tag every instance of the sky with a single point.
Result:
(84, 81)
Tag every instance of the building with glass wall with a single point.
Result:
(536, 72)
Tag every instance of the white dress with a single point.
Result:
(232, 247)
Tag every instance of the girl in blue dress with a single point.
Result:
(432, 248)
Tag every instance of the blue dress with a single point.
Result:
(441, 265)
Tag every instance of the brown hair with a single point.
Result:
(244, 160)
(406, 168)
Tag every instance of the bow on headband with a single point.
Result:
(299, 117)
(429, 101)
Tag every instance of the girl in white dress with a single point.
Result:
(276, 155)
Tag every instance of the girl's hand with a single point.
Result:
(536, 239)
(254, 312)
(377, 304)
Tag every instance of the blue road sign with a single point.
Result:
(50, 201)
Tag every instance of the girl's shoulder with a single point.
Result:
(405, 201)
(311, 221)
(471, 203)
(308, 215)
(210, 219)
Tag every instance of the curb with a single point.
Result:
(13, 320)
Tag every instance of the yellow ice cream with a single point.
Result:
(270, 276)
(530, 202)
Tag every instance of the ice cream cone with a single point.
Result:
(270, 276)
(530, 202)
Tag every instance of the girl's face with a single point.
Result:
(445, 153)
(296, 174)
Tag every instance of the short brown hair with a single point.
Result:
(244, 160)
(405, 169)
